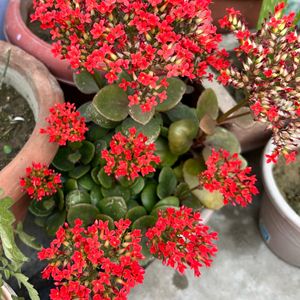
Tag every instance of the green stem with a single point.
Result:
(236, 116)
(224, 117)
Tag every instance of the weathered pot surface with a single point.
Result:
(279, 223)
(18, 34)
(34, 82)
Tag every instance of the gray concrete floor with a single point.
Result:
(244, 269)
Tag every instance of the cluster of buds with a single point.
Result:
(270, 75)
(147, 39)
(130, 156)
(40, 181)
(181, 241)
(94, 263)
(226, 174)
(65, 124)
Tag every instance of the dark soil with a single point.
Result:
(288, 180)
(35, 28)
(16, 123)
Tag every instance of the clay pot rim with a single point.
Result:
(40, 72)
(273, 191)
(15, 7)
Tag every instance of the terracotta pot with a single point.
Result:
(279, 224)
(34, 82)
(18, 34)
(250, 9)
(6, 292)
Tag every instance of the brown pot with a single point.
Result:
(34, 82)
(17, 33)
(250, 9)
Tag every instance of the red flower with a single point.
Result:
(180, 240)
(65, 124)
(40, 181)
(130, 156)
(225, 174)
(94, 263)
(147, 39)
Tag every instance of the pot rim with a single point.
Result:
(273, 191)
(7, 291)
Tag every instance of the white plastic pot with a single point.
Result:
(278, 222)
(6, 292)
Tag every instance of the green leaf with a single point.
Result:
(118, 191)
(149, 197)
(115, 207)
(137, 186)
(181, 135)
(182, 111)
(42, 208)
(55, 221)
(144, 223)
(79, 171)
(222, 138)
(22, 279)
(96, 195)
(208, 104)
(191, 170)
(105, 180)
(167, 158)
(9, 246)
(208, 124)
(88, 83)
(70, 185)
(83, 110)
(76, 197)
(84, 211)
(61, 161)
(26, 238)
(86, 182)
(151, 129)
(171, 200)
(175, 91)
(267, 7)
(167, 183)
(135, 213)
(112, 103)
(95, 132)
(137, 115)
(87, 152)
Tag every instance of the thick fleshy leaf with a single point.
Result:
(115, 207)
(87, 152)
(55, 221)
(208, 124)
(88, 83)
(95, 132)
(131, 204)
(137, 115)
(182, 111)
(156, 209)
(175, 91)
(222, 138)
(151, 129)
(137, 186)
(181, 135)
(96, 195)
(74, 157)
(167, 183)
(167, 158)
(106, 218)
(135, 213)
(86, 182)
(149, 197)
(79, 171)
(94, 174)
(105, 180)
(171, 200)
(76, 197)
(83, 211)
(208, 104)
(118, 191)
(70, 185)
(191, 170)
(61, 162)
(42, 208)
(83, 109)
(112, 103)
(144, 223)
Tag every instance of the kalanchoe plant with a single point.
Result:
(146, 156)
(269, 76)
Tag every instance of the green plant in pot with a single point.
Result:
(11, 258)
(141, 165)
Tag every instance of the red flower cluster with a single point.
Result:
(40, 181)
(94, 263)
(65, 124)
(225, 174)
(180, 240)
(270, 76)
(129, 156)
(144, 38)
